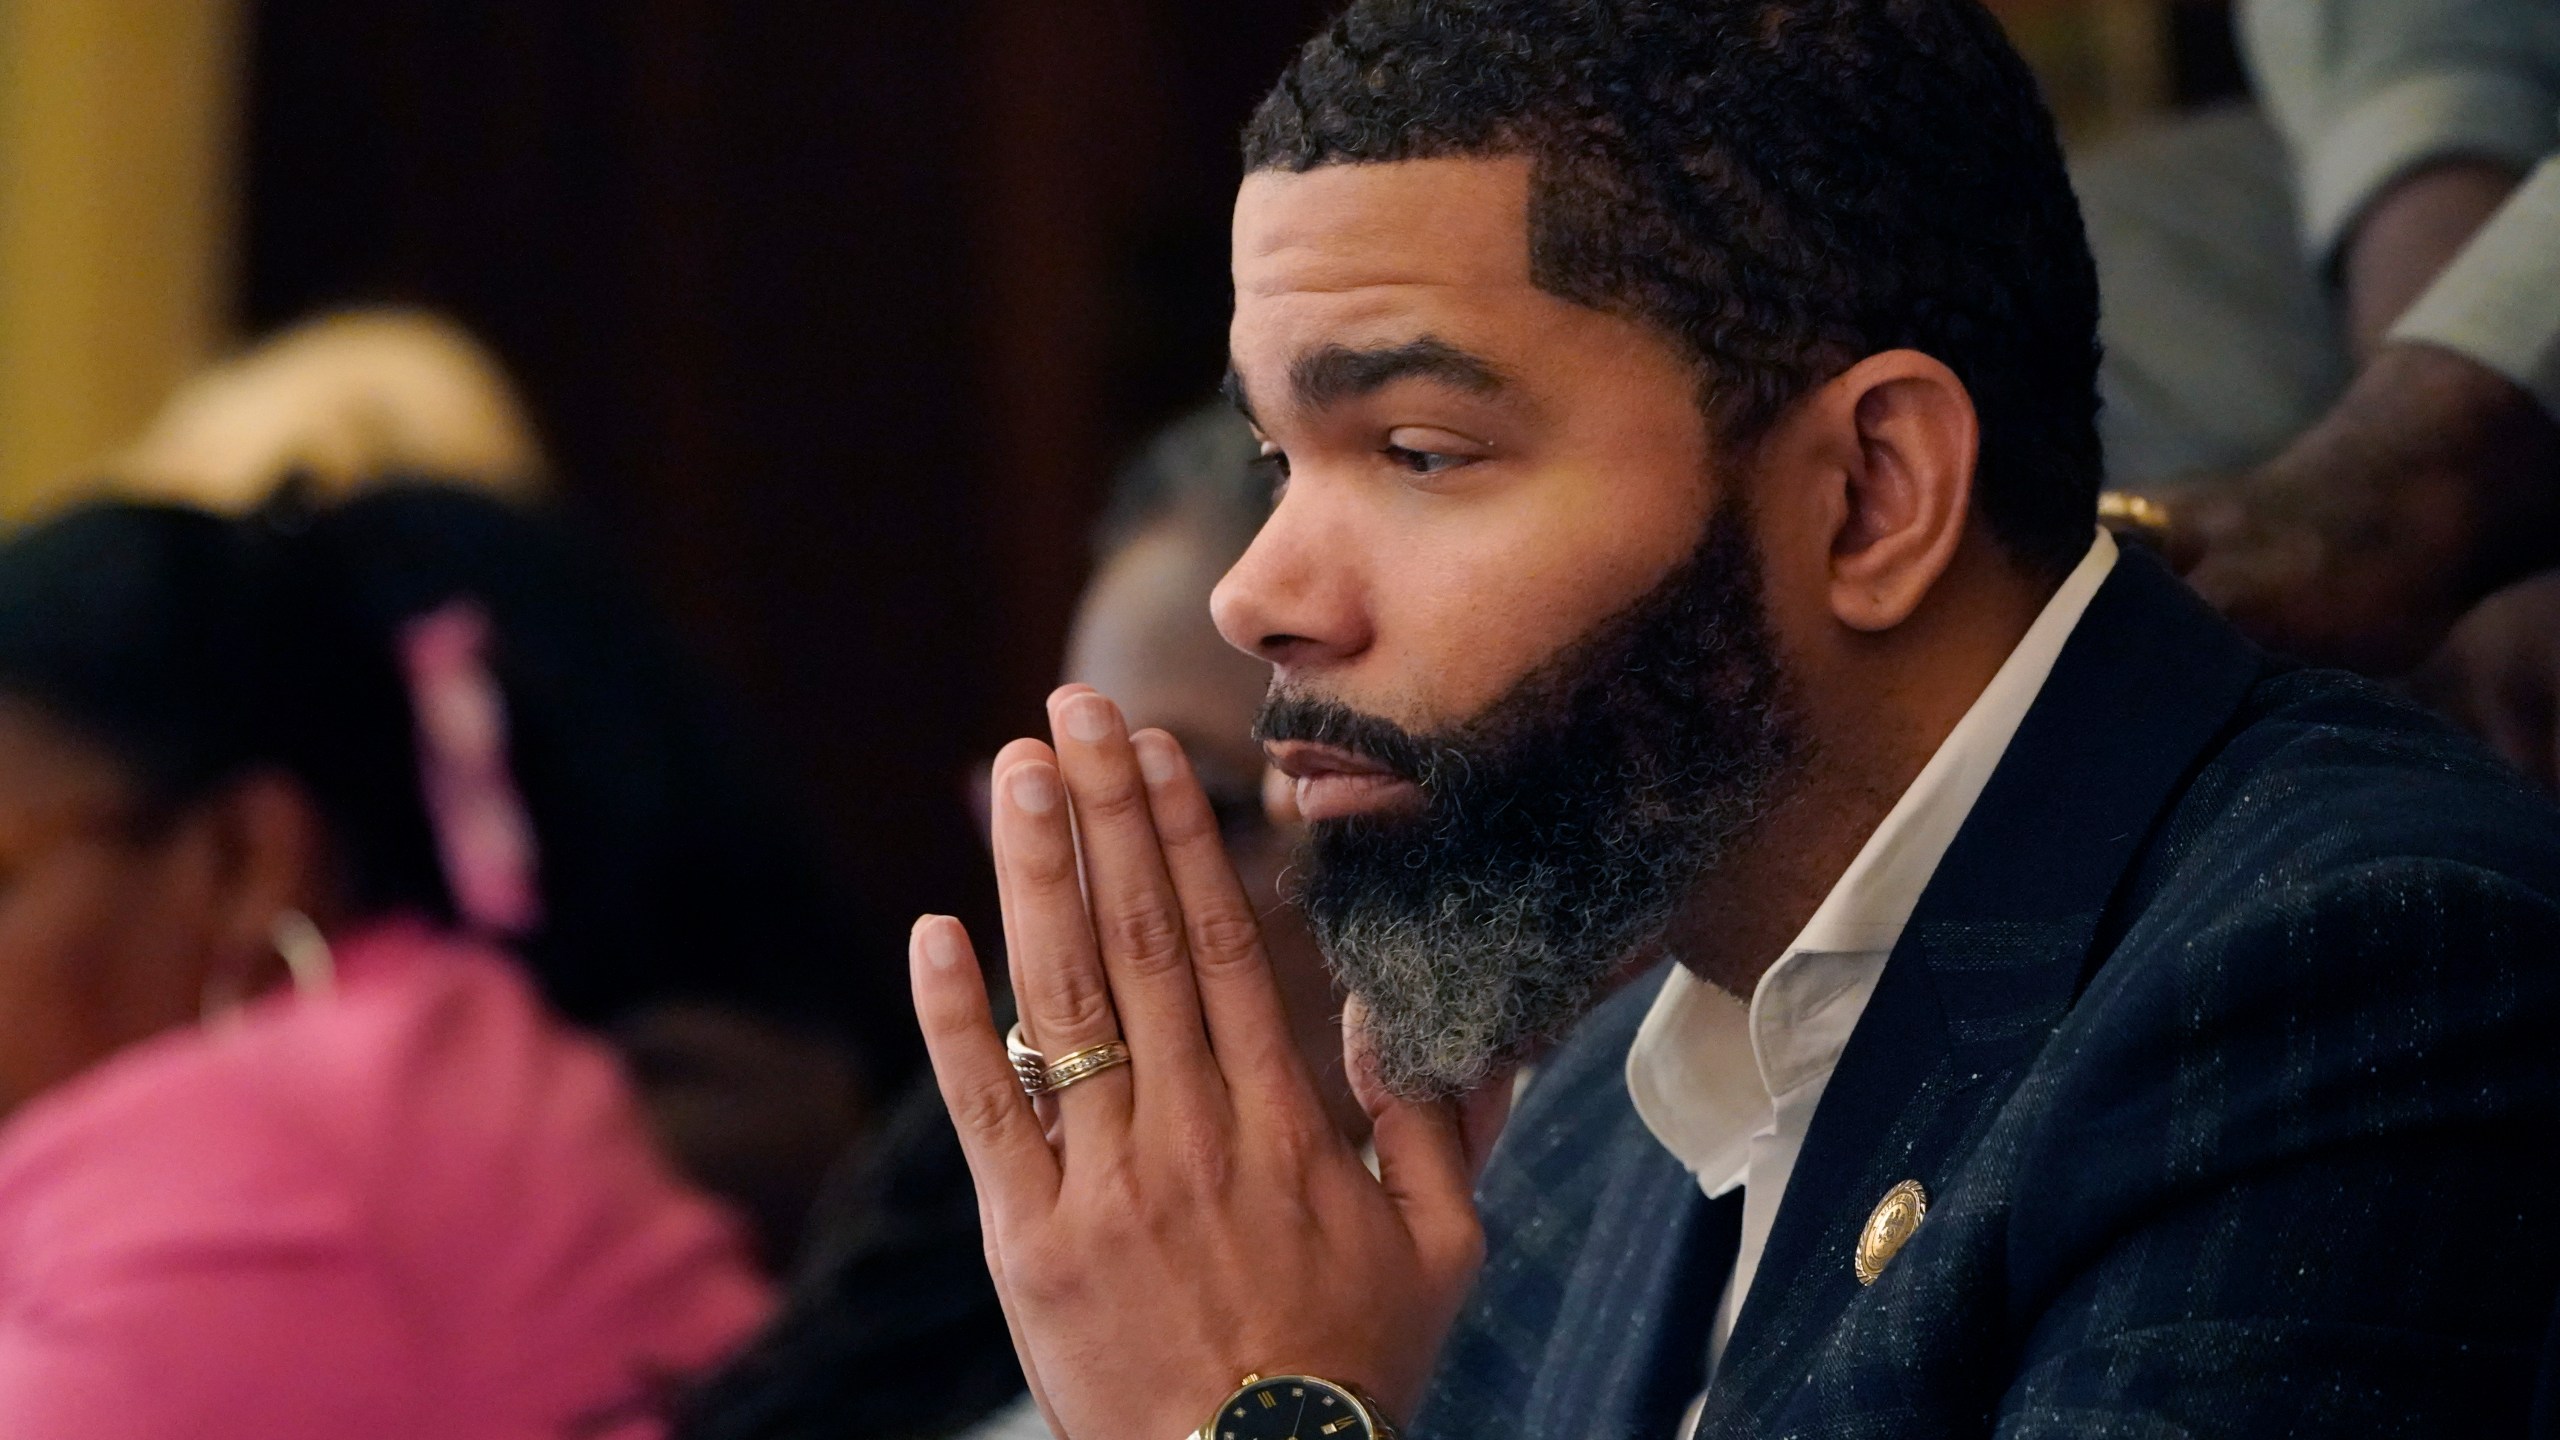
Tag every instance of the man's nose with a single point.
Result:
(1293, 598)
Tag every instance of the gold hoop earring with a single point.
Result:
(306, 954)
(307, 958)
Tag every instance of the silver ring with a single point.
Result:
(1030, 1067)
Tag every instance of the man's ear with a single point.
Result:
(1897, 434)
(273, 856)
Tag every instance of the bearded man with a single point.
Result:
(2049, 1015)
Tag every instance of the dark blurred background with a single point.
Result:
(834, 315)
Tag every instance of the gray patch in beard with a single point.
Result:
(1561, 829)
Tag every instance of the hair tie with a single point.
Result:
(483, 835)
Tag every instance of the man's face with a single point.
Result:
(1478, 472)
(1524, 676)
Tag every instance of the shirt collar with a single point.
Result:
(1704, 1072)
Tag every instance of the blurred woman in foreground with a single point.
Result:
(690, 917)
(292, 1147)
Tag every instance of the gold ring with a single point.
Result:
(1082, 1065)
(1028, 1064)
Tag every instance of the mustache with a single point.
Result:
(1330, 722)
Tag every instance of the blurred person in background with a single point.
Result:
(687, 917)
(894, 1330)
(1178, 520)
(341, 399)
(2333, 346)
(293, 1146)
(695, 926)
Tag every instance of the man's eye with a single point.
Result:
(1424, 462)
(1272, 467)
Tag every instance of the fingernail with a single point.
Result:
(1157, 758)
(1034, 787)
(941, 951)
(1088, 718)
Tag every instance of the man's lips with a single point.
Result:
(1333, 783)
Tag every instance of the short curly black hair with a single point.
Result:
(1782, 186)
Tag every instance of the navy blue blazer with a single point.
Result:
(2226, 1044)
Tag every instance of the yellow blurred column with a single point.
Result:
(117, 128)
(2104, 63)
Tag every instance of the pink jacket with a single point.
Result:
(419, 1208)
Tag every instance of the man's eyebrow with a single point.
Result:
(1336, 373)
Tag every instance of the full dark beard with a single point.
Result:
(1560, 829)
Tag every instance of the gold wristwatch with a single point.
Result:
(1296, 1407)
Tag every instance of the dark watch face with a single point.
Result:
(1292, 1407)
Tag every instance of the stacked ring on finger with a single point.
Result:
(1082, 1065)
(1038, 1077)
(1029, 1065)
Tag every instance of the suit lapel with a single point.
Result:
(1659, 1255)
(1604, 1262)
(1999, 944)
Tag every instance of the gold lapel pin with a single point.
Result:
(1887, 1227)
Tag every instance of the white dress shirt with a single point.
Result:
(2499, 301)
(1731, 1091)
(2366, 92)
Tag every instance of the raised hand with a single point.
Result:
(1160, 1228)
(2428, 485)
(2498, 675)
